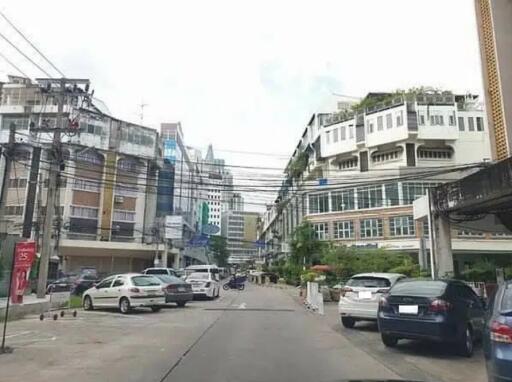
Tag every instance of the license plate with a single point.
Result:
(408, 309)
(365, 295)
(181, 289)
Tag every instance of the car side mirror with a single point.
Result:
(95, 285)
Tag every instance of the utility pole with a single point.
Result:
(8, 154)
(61, 94)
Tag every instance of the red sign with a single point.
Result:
(24, 254)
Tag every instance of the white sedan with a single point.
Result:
(204, 284)
(125, 291)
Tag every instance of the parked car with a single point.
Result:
(125, 291)
(497, 339)
(63, 284)
(204, 284)
(212, 269)
(359, 298)
(176, 290)
(435, 310)
(160, 271)
(83, 282)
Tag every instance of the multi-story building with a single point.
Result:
(354, 175)
(240, 230)
(107, 188)
(237, 202)
(495, 33)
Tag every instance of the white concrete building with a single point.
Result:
(361, 172)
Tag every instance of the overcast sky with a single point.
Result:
(246, 75)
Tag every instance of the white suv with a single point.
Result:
(160, 271)
(126, 291)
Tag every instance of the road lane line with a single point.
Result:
(18, 334)
(242, 305)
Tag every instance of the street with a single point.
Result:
(260, 334)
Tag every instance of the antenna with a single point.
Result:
(142, 106)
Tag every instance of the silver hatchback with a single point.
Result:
(359, 298)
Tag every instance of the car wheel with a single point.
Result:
(87, 304)
(465, 344)
(124, 305)
(225, 286)
(348, 322)
(389, 341)
(181, 304)
(156, 309)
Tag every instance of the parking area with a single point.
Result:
(411, 359)
(90, 344)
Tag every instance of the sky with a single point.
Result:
(246, 75)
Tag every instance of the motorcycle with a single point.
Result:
(235, 283)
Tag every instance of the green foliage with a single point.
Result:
(349, 261)
(34, 270)
(309, 276)
(218, 245)
(306, 248)
(291, 273)
(74, 302)
(298, 165)
(484, 270)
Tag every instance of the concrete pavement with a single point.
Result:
(260, 334)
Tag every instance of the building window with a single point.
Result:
(471, 124)
(89, 157)
(21, 123)
(350, 163)
(84, 212)
(335, 135)
(436, 154)
(461, 123)
(321, 231)
(371, 228)
(391, 192)
(426, 228)
(413, 191)
(380, 123)
(343, 133)
(318, 203)
(369, 197)
(451, 120)
(17, 183)
(344, 229)
(328, 137)
(86, 185)
(14, 210)
(479, 124)
(386, 156)
(400, 118)
(436, 120)
(342, 200)
(351, 132)
(128, 216)
(389, 121)
(369, 123)
(421, 119)
(401, 226)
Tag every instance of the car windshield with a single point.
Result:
(506, 300)
(418, 288)
(369, 282)
(199, 276)
(169, 279)
(161, 271)
(145, 281)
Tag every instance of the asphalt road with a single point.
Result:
(260, 334)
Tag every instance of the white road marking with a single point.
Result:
(242, 305)
(18, 334)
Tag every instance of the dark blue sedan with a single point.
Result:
(498, 335)
(433, 310)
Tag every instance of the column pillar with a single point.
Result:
(443, 252)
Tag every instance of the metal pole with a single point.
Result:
(9, 245)
(51, 197)
(431, 235)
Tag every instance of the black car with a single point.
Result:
(83, 282)
(176, 290)
(435, 310)
(63, 284)
(498, 335)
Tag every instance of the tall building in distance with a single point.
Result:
(236, 203)
(494, 19)
(240, 230)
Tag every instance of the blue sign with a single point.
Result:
(260, 244)
(322, 182)
(199, 241)
(170, 150)
(210, 229)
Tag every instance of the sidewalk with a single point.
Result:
(31, 305)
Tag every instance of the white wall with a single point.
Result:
(386, 135)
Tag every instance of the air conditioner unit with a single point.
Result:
(118, 199)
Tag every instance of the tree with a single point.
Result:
(306, 248)
(218, 245)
